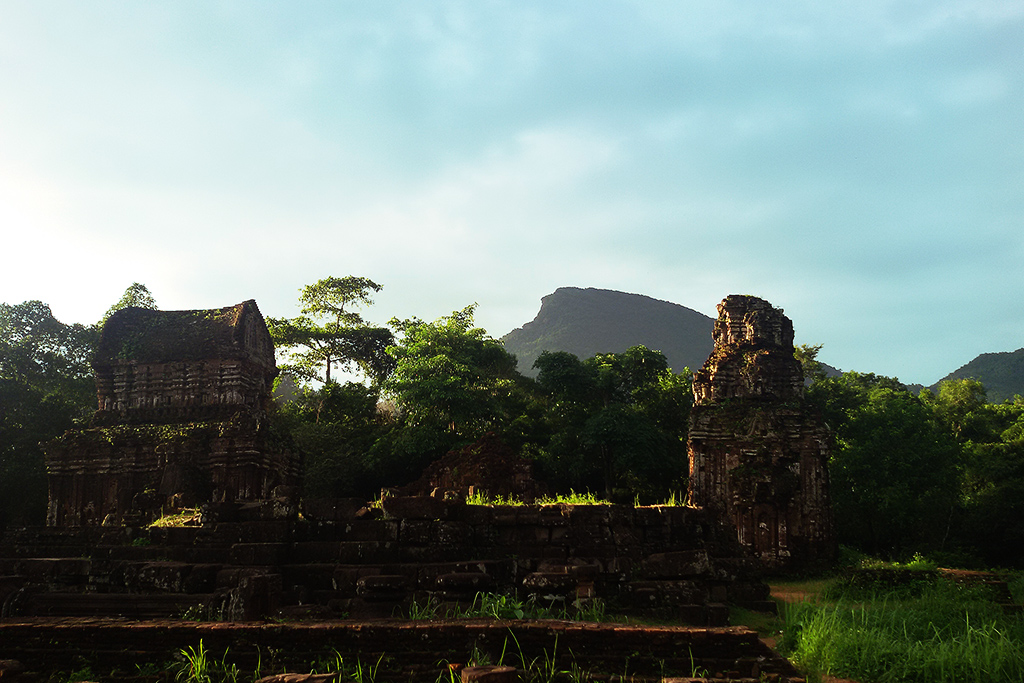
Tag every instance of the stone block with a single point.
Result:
(490, 674)
(718, 614)
(465, 583)
(166, 577)
(589, 534)
(331, 509)
(504, 515)
(477, 515)
(416, 532)
(549, 582)
(450, 535)
(314, 552)
(370, 530)
(367, 552)
(626, 535)
(10, 669)
(383, 587)
(258, 554)
(345, 578)
(415, 507)
(684, 563)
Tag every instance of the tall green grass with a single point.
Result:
(936, 634)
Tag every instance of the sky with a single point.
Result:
(858, 164)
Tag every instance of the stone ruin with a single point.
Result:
(487, 466)
(182, 419)
(183, 399)
(758, 453)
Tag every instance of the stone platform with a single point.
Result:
(405, 650)
(676, 563)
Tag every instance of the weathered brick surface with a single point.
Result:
(758, 453)
(655, 560)
(182, 401)
(411, 650)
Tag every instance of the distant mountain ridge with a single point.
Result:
(588, 321)
(1001, 373)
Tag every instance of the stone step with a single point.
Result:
(59, 571)
(126, 605)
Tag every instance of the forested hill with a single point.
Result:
(589, 321)
(1001, 373)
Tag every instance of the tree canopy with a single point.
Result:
(617, 422)
(328, 334)
(137, 295)
(45, 385)
(451, 374)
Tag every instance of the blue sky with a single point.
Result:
(859, 164)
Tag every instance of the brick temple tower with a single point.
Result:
(182, 416)
(758, 452)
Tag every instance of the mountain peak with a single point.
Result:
(588, 321)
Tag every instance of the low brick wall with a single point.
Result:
(407, 650)
(260, 560)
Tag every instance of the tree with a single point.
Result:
(895, 468)
(328, 334)
(452, 384)
(45, 386)
(136, 296)
(452, 374)
(807, 354)
(992, 489)
(335, 428)
(960, 405)
(617, 422)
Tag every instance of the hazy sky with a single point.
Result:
(859, 164)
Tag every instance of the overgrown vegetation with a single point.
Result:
(570, 498)
(928, 631)
(178, 518)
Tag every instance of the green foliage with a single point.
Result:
(502, 606)
(943, 633)
(617, 422)
(45, 386)
(336, 428)
(808, 356)
(327, 334)
(992, 486)
(1001, 373)
(572, 498)
(453, 383)
(481, 498)
(84, 673)
(136, 296)
(181, 518)
(894, 469)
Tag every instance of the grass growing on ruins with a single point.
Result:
(571, 498)
(675, 499)
(501, 606)
(930, 633)
(198, 666)
(184, 517)
(481, 498)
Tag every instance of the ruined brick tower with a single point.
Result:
(758, 453)
(181, 420)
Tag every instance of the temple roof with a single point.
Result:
(148, 336)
